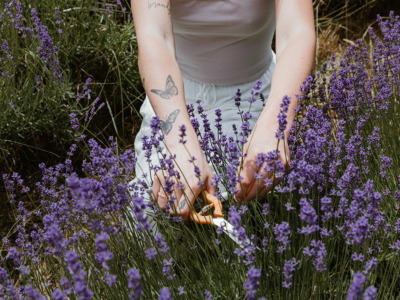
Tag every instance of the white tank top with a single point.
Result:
(223, 41)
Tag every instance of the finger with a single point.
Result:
(263, 185)
(174, 205)
(186, 201)
(251, 187)
(171, 198)
(254, 188)
(162, 199)
(155, 188)
(210, 188)
(247, 172)
(160, 194)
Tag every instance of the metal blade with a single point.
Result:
(229, 230)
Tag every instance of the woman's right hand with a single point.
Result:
(191, 184)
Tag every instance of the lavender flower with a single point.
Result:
(282, 232)
(252, 283)
(75, 268)
(162, 245)
(318, 252)
(287, 272)
(58, 15)
(151, 253)
(11, 105)
(308, 214)
(54, 237)
(238, 98)
(73, 184)
(233, 160)
(3, 275)
(208, 295)
(282, 118)
(257, 87)
(289, 206)
(103, 254)
(133, 283)
(181, 290)
(31, 293)
(265, 209)
(167, 269)
(182, 134)
(370, 293)
(386, 164)
(165, 294)
(15, 255)
(239, 231)
(359, 257)
(360, 231)
(355, 290)
(138, 209)
(58, 295)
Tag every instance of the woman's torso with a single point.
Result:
(223, 41)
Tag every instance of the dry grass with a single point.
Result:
(328, 42)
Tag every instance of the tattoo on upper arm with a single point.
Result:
(182, 204)
(151, 4)
(166, 125)
(143, 81)
(170, 89)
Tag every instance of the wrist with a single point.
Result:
(268, 125)
(172, 140)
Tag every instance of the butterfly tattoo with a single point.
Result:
(166, 125)
(170, 89)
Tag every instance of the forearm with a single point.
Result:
(294, 63)
(157, 66)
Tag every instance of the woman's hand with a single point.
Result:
(260, 141)
(295, 59)
(190, 176)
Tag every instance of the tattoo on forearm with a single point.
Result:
(182, 204)
(166, 125)
(143, 81)
(157, 4)
(170, 89)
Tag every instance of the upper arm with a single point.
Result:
(152, 17)
(293, 18)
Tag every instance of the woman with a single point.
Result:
(207, 49)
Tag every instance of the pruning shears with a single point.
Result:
(217, 219)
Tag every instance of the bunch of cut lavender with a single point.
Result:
(333, 219)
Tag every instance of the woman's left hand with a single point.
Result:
(260, 141)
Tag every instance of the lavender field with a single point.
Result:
(84, 229)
